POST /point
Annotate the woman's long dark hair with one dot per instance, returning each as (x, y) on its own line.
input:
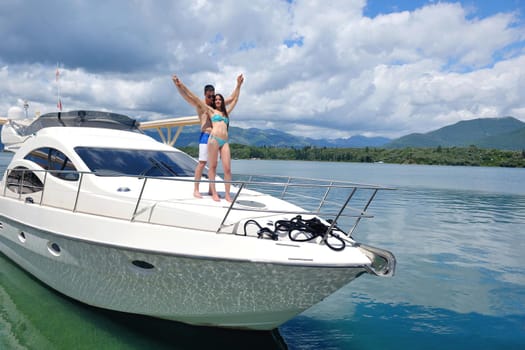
(223, 105)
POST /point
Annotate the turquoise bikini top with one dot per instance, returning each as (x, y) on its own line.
(219, 118)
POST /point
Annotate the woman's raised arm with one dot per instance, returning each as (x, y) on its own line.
(235, 95)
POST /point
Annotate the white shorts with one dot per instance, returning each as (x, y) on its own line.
(203, 147)
(203, 152)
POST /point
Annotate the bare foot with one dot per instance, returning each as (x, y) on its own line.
(197, 194)
(216, 197)
(228, 198)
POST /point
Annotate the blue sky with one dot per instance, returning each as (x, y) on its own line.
(321, 69)
(480, 8)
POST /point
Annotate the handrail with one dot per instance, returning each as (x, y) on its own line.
(327, 188)
(339, 214)
(138, 200)
(78, 192)
(230, 207)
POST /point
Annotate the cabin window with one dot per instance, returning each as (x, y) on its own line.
(132, 162)
(23, 180)
(56, 162)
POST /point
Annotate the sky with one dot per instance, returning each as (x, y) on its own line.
(319, 69)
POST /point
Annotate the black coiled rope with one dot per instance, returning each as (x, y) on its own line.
(296, 227)
(262, 230)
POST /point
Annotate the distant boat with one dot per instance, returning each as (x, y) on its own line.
(105, 214)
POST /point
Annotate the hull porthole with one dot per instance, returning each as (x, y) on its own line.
(22, 237)
(54, 248)
(144, 265)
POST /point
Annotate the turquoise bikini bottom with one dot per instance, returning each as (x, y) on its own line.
(220, 141)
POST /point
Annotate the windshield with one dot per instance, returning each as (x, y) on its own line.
(114, 161)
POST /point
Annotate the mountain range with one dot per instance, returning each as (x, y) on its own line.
(499, 133)
(277, 138)
(506, 133)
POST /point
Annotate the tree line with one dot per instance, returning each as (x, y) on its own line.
(461, 156)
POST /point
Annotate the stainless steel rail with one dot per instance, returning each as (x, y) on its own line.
(328, 199)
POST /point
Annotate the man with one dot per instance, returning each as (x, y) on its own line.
(209, 95)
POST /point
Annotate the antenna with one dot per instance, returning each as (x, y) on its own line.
(26, 106)
(57, 78)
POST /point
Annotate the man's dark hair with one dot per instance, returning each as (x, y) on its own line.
(209, 88)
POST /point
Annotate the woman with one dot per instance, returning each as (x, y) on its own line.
(218, 140)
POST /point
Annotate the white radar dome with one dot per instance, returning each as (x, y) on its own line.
(15, 113)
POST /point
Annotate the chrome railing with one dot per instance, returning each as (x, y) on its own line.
(330, 200)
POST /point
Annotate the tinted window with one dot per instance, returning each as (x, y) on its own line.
(52, 159)
(23, 180)
(112, 161)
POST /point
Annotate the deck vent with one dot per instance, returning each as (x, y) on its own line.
(22, 237)
(143, 264)
(250, 204)
(54, 248)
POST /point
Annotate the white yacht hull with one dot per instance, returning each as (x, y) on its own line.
(194, 290)
(106, 215)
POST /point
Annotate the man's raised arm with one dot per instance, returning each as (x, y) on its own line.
(189, 96)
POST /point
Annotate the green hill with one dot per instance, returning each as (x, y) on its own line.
(500, 133)
(514, 140)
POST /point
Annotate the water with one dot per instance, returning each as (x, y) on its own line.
(458, 236)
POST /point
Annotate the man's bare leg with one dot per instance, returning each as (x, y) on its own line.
(198, 175)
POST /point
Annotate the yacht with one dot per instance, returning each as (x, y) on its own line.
(105, 214)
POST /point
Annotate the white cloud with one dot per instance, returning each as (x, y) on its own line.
(314, 68)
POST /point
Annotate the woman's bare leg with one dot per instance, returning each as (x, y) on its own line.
(226, 166)
(213, 154)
